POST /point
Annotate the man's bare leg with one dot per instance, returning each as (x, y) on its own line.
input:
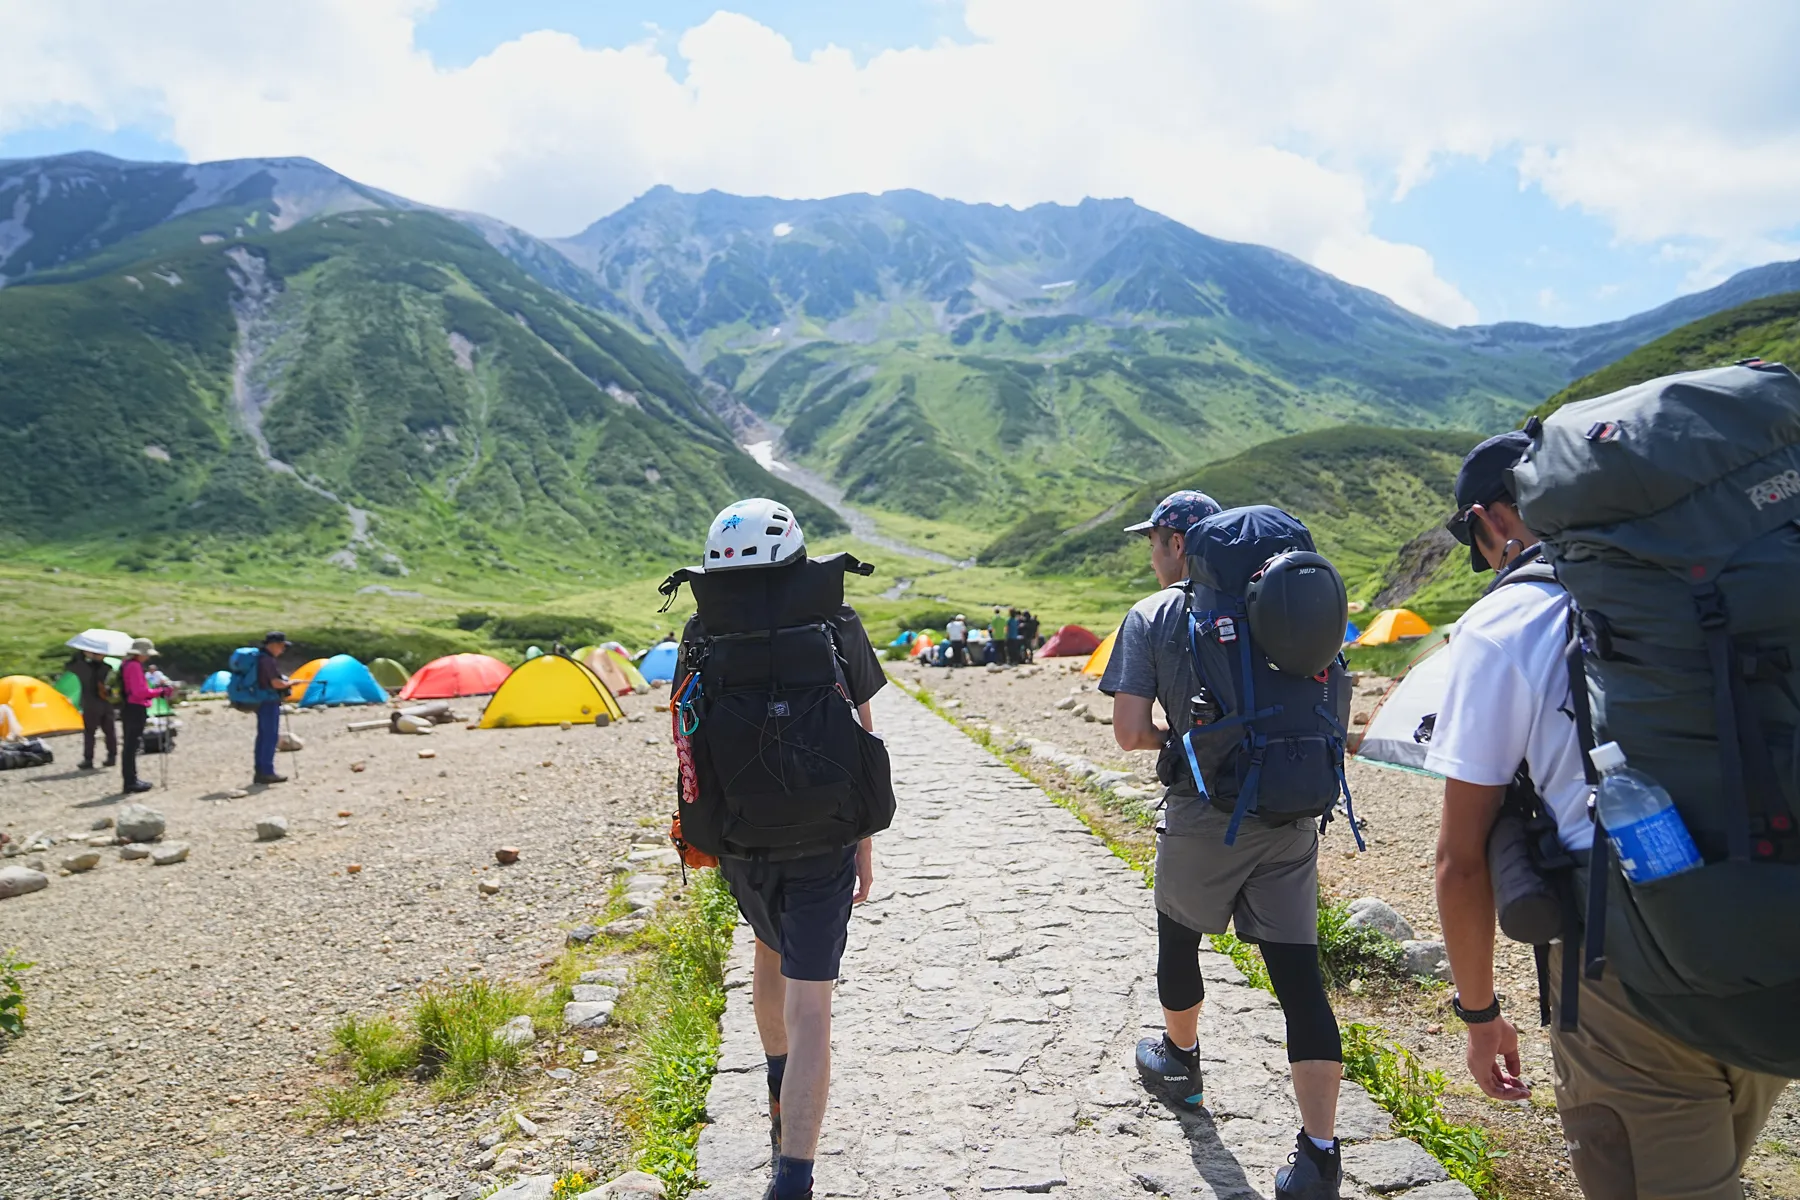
(768, 995)
(808, 1080)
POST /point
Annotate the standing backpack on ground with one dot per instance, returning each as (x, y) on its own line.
(782, 767)
(245, 691)
(1268, 652)
(1671, 512)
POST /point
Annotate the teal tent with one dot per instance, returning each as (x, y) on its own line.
(342, 680)
(216, 683)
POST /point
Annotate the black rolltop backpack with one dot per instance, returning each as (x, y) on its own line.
(1268, 650)
(784, 768)
(1671, 513)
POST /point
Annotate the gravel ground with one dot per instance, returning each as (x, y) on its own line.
(178, 1013)
(1401, 811)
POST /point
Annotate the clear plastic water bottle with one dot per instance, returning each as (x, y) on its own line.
(1641, 821)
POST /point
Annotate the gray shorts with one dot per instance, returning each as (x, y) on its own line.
(1266, 885)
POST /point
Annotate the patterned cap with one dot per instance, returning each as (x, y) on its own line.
(1179, 511)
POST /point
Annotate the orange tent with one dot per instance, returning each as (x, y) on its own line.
(1096, 662)
(35, 708)
(1393, 625)
(456, 675)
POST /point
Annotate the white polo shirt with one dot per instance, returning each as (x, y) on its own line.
(1508, 701)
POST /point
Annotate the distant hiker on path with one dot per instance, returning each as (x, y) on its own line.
(138, 696)
(783, 782)
(1266, 884)
(1015, 638)
(1028, 632)
(957, 633)
(1644, 1113)
(91, 672)
(997, 637)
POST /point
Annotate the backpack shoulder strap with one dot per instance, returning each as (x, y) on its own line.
(1529, 567)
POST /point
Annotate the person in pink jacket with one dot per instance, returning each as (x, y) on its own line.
(138, 695)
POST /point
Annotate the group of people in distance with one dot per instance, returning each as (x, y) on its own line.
(1645, 1115)
(1012, 638)
(130, 692)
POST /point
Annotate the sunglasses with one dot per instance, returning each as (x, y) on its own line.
(1458, 526)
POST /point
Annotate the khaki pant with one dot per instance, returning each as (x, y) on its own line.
(1648, 1117)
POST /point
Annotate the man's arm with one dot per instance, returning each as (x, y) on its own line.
(1133, 726)
(1465, 896)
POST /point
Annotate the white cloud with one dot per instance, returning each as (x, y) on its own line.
(1272, 121)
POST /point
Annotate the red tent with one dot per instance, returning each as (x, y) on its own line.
(456, 675)
(1069, 641)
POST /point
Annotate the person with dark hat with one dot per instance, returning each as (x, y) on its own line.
(272, 686)
(1643, 1113)
(1265, 883)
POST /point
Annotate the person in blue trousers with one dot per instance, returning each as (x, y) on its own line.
(268, 713)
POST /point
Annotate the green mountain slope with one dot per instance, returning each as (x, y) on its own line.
(1361, 491)
(364, 392)
(1768, 328)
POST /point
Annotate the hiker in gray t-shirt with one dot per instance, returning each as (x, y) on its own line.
(1266, 884)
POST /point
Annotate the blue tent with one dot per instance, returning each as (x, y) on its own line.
(343, 680)
(216, 683)
(1351, 633)
(659, 662)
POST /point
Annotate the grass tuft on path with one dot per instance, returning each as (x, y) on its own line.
(673, 1009)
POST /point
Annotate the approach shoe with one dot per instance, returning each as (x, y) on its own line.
(86, 764)
(1311, 1173)
(1164, 1073)
(271, 779)
(142, 785)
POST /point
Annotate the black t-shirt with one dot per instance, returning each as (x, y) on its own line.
(862, 668)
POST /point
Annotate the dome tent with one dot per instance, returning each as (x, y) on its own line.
(388, 673)
(216, 683)
(343, 680)
(548, 690)
(456, 675)
(1095, 666)
(37, 709)
(1070, 641)
(659, 662)
(614, 667)
(1393, 625)
(1389, 737)
(302, 678)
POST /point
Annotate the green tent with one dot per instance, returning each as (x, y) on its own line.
(70, 687)
(389, 674)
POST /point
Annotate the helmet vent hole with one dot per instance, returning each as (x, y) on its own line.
(749, 550)
(775, 530)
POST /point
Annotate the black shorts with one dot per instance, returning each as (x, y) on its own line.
(800, 907)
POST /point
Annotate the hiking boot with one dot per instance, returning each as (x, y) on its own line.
(86, 764)
(1165, 1073)
(112, 760)
(271, 778)
(1311, 1173)
(142, 785)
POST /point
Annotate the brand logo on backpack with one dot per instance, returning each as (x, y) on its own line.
(779, 709)
(1774, 489)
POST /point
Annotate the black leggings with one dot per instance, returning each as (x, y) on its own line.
(1312, 1030)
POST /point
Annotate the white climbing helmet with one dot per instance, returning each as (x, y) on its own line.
(753, 533)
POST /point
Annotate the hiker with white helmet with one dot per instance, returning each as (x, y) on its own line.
(957, 633)
(782, 783)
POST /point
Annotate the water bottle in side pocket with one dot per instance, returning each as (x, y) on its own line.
(1641, 821)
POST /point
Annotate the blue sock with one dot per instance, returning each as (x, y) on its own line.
(777, 1069)
(793, 1178)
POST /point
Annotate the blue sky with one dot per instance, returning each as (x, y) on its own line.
(1012, 101)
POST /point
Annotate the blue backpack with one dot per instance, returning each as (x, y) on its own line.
(1276, 747)
(245, 691)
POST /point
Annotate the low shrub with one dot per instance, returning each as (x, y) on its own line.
(1413, 1096)
(12, 994)
(1349, 952)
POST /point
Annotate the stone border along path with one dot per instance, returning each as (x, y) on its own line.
(994, 988)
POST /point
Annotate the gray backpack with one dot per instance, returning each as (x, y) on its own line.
(1671, 513)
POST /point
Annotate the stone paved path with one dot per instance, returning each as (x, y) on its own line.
(995, 985)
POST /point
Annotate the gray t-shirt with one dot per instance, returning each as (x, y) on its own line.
(1151, 658)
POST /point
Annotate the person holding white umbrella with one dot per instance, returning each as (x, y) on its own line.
(92, 648)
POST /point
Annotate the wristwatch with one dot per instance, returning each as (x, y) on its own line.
(1479, 1016)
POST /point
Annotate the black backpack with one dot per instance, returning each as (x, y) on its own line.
(1671, 512)
(1277, 747)
(784, 768)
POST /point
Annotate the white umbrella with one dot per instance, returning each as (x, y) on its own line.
(108, 642)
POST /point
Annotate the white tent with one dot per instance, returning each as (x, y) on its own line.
(1389, 737)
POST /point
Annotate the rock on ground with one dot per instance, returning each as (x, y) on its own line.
(140, 823)
(1371, 912)
(271, 829)
(168, 855)
(17, 881)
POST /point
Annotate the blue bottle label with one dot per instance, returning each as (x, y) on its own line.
(1656, 846)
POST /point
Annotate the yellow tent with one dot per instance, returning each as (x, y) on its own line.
(548, 690)
(1096, 662)
(36, 708)
(302, 677)
(1393, 625)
